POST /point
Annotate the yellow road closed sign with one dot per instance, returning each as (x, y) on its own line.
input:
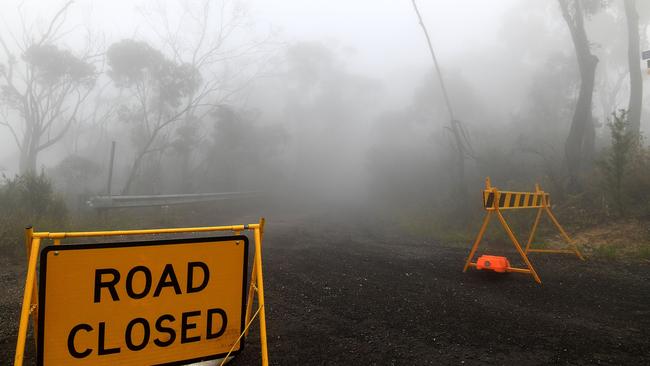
(145, 303)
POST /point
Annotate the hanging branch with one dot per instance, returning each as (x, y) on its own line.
(461, 136)
(435, 62)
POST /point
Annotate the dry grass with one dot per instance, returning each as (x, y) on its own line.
(616, 239)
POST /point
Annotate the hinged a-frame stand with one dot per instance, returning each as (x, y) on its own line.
(571, 249)
(495, 200)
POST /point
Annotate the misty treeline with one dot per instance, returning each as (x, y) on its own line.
(196, 101)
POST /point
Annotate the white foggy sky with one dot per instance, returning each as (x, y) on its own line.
(385, 33)
(378, 38)
(377, 34)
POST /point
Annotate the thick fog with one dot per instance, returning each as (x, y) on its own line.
(335, 100)
(378, 167)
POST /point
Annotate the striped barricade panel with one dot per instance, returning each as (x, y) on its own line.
(513, 200)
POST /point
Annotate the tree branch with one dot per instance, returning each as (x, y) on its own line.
(53, 27)
(13, 133)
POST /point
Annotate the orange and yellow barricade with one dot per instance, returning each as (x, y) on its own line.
(495, 201)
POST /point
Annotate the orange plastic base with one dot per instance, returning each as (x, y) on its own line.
(493, 263)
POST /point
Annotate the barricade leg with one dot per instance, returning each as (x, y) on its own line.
(532, 231)
(486, 220)
(512, 237)
(574, 247)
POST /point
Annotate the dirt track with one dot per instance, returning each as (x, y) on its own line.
(347, 295)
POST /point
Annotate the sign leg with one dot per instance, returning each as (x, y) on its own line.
(27, 302)
(260, 296)
(251, 295)
(29, 235)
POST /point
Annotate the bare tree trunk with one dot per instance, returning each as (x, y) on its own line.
(135, 168)
(579, 148)
(460, 185)
(633, 53)
(27, 162)
(133, 172)
(589, 145)
(29, 150)
(608, 99)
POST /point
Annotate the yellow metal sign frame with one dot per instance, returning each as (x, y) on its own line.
(33, 242)
(494, 201)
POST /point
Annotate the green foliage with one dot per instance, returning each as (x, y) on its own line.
(77, 168)
(53, 64)
(130, 60)
(137, 63)
(239, 149)
(28, 200)
(637, 185)
(75, 177)
(54, 70)
(616, 164)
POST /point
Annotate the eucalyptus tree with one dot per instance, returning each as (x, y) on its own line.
(42, 87)
(158, 92)
(633, 54)
(209, 44)
(579, 147)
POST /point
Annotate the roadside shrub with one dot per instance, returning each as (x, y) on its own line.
(624, 172)
(76, 178)
(637, 185)
(27, 200)
(617, 160)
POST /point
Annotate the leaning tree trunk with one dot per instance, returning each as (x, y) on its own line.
(633, 53)
(579, 148)
(135, 168)
(27, 161)
(459, 184)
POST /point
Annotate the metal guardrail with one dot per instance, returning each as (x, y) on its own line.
(101, 202)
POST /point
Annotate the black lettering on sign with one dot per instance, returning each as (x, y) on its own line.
(162, 329)
(172, 282)
(110, 285)
(147, 282)
(224, 322)
(190, 276)
(128, 335)
(101, 342)
(71, 348)
(185, 326)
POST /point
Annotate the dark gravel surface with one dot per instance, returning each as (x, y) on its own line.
(340, 293)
